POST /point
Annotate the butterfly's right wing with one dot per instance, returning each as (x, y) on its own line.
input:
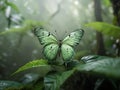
(67, 52)
(44, 36)
(74, 38)
(69, 42)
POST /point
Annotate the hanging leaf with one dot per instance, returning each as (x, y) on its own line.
(33, 64)
(107, 3)
(109, 67)
(54, 81)
(105, 28)
(28, 25)
(13, 6)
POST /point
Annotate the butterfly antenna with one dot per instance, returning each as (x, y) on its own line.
(56, 33)
(64, 35)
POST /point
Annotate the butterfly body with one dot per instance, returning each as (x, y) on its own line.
(54, 48)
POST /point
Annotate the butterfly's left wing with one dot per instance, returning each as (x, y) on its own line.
(50, 51)
(44, 36)
(49, 41)
(74, 38)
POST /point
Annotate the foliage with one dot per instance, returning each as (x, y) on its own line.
(10, 12)
(54, 81)
(33, 64)
(105, 66)
(93, 58)
(106, 2)
(13, 6)
(6, 3)
(93, 64)
(5, 84)
(27, 25)
(105, 28)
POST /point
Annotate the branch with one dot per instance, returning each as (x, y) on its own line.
(57, 11)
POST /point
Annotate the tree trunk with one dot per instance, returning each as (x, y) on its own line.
(116, 12)
(99, 36)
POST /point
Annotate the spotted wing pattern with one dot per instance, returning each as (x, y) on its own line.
(69, 42)
(49, 41)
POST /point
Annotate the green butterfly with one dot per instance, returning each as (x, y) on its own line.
(53, 47)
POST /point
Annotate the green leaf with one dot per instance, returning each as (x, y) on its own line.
(30, 78)
(13, 6)
(108, 67)
(38, 86)
(54, 81)
(92, 58)
(27, 25)
(6, 84)
(33, 64)
(105, 28)
(106, 3)
(72, 64)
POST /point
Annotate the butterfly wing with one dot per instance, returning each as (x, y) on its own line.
(50, 51)
(44, 36)
(49, 41)
(74, 38)
(69, 42)
(67, 52)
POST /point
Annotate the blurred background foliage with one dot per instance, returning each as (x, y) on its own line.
(63, 16)
(18, 44)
